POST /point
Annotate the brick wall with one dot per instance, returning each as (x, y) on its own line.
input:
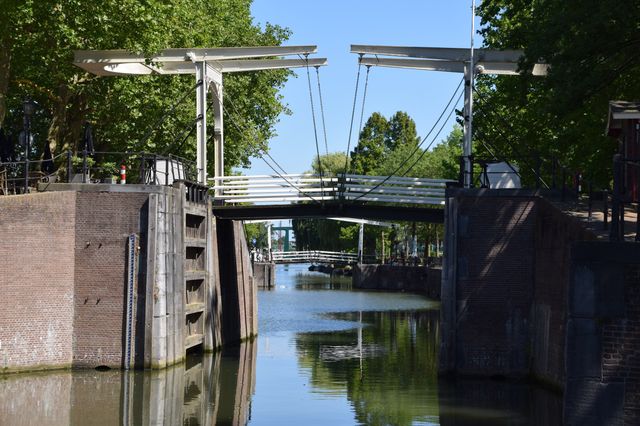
(511, 275)
(416, 279)
(495, 255)
(103, 223)
(621, 346)
(603, 336)
(554, 235)
(36, 280)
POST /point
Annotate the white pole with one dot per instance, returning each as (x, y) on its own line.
(360, 243)
(218, 134)
(269, 241)
(469, 74)
(201, 117)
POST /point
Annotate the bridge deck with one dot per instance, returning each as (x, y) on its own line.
(317, 210)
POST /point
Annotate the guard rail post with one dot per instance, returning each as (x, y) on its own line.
(614, 234)
(69, 165)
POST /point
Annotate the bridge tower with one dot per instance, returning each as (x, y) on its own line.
(469, 62)
(208, 65)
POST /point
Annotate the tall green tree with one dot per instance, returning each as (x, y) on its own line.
(593, 48)
(401, 132)
(330, 164)
(370, 149)
(36, 54)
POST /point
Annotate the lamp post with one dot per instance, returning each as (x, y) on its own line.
(29, 107)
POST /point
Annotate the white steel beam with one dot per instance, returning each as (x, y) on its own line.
(365, 221)
(482, 67)
(439, 53)
(267, 64)
(208, 65)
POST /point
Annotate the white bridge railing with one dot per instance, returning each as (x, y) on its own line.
(276, 189)
(315, 256)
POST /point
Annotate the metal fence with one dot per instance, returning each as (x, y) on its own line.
(17, 177)
(314, 256)
(276, 189)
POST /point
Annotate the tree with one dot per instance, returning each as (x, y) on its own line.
(125, 109)
(401, 132)
(332, 164)
(371, 145)
(593, 49)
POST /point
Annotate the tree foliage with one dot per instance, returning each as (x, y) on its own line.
(380, 137)
(370, 149)
(593, 48)
(330, 164)
(36, 54)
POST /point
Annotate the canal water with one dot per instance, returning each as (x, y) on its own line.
(326, 355)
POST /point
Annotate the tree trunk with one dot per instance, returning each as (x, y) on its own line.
(5, 73)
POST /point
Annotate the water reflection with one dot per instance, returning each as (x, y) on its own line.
(206, 390)
(387, 365)
(338, 357)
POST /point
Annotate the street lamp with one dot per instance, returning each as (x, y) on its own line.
(29, 108)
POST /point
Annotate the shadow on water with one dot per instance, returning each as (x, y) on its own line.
(206, 390)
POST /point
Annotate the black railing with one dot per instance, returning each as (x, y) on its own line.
(566, 184)
(99, 167)
(623, 195)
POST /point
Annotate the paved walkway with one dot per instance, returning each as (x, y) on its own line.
(595, 222)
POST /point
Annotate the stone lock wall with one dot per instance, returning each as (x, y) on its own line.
(505, 286)
(603, 336)
(65, 284)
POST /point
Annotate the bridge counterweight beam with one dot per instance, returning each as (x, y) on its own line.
(361, 243)
(218, 135)
(468, 117)
(201, 121)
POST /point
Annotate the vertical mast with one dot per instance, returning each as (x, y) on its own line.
(468, 103)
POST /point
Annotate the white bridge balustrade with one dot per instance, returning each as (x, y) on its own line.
(315, 256)
(278, 189)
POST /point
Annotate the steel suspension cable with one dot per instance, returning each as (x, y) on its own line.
(324, 126)
(315, 129)
(293, 185)
(353, 112)
(495, 114)
(421, 142)
(422, 154)
(364, 97)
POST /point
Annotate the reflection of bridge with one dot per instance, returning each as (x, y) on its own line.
(314, 256)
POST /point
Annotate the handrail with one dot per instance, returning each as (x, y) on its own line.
(301, 187)
(313, 256)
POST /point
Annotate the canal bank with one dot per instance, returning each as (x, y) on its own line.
(423, 280)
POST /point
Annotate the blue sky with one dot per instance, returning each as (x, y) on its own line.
(334, 25)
